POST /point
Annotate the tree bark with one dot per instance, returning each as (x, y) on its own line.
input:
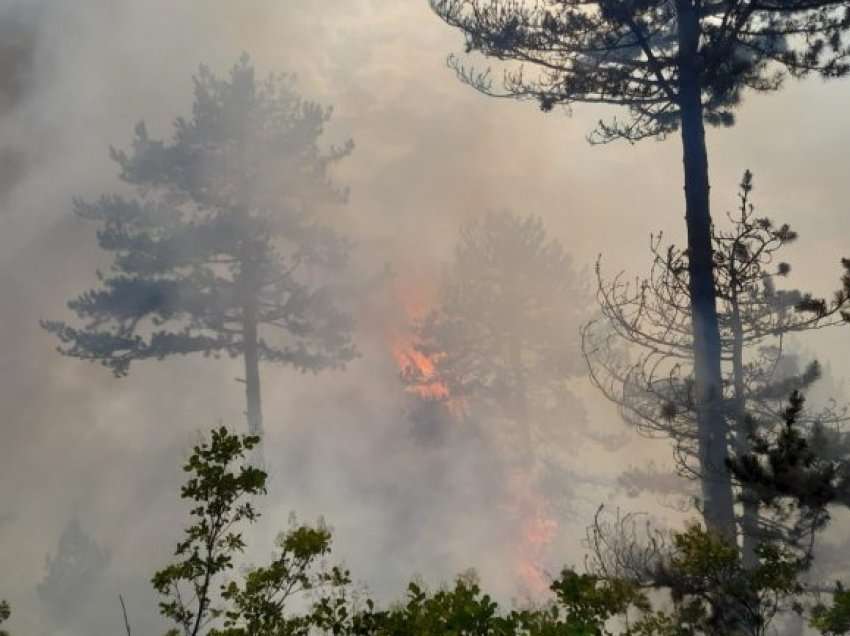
(254, 410)
(718, 504)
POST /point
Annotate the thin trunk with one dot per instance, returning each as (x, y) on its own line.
(254, 411)
(718, 504)
(252, 376)
(749, 520)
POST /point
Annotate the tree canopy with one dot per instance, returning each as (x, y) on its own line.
(224, 246)
(499, 337)
(637, 54)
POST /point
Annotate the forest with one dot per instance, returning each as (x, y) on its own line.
(425, 317)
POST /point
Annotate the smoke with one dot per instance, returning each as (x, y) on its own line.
(76, 443)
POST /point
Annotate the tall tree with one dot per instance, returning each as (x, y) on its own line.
(674, 65)
(499, 337)
(651, 320)
(223, 247)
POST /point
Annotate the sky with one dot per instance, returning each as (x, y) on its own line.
(430, 153)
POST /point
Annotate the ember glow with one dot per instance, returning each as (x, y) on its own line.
(413, 362)
(416, 298)
(537, 531)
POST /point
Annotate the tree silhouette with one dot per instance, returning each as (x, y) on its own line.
(499, 338)
(673, 65)
(222, 248)
(794, 470)
(78, 563)
(641, 352)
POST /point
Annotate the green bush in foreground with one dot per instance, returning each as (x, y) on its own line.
(708, 590)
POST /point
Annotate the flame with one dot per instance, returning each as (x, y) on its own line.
(535, 527)
(537, 531)
(411, 361)
(416, 298)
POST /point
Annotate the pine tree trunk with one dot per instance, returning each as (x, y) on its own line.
(251, 357)
(718, 504)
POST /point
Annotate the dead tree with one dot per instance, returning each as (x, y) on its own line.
(641, 351)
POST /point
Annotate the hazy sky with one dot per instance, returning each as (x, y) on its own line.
(430, 152)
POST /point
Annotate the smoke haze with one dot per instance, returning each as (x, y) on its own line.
(430, 154)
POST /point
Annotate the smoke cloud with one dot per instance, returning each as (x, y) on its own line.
(78, 444)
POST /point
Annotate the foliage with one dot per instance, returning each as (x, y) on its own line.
(641, 352)
(259, 604)
(650, 318)
(223, 248)
(834, 619)
(219, 493)
(699, 583)
(791, 469)
(715, 593)
(583, 605)
(297, 594)
(224, 214)
(77, 564)
(498, 337)
(463, 609)
(220, 488)
(648, 56)
(5, 613)
(674, 65)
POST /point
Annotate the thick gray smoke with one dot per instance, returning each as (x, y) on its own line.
(80, 445)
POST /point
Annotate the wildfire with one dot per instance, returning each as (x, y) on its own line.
(414, 363)
(537, 530)
(535, 527)
(416, 299)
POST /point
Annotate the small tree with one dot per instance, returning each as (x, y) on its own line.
(220, 494)
(650, 319)
(797, 471)
(222, 249)
(834, 619)
(259, 604)
(673, 65)
(220, 488)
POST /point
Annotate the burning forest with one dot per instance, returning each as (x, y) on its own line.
(305, 334)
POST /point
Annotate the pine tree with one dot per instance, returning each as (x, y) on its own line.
(650, 318)
(499, 337)
(221, 249)
(77, 565)
(673, 65)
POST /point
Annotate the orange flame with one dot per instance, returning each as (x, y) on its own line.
(412, 361)
(416, 299)
(537, 530)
